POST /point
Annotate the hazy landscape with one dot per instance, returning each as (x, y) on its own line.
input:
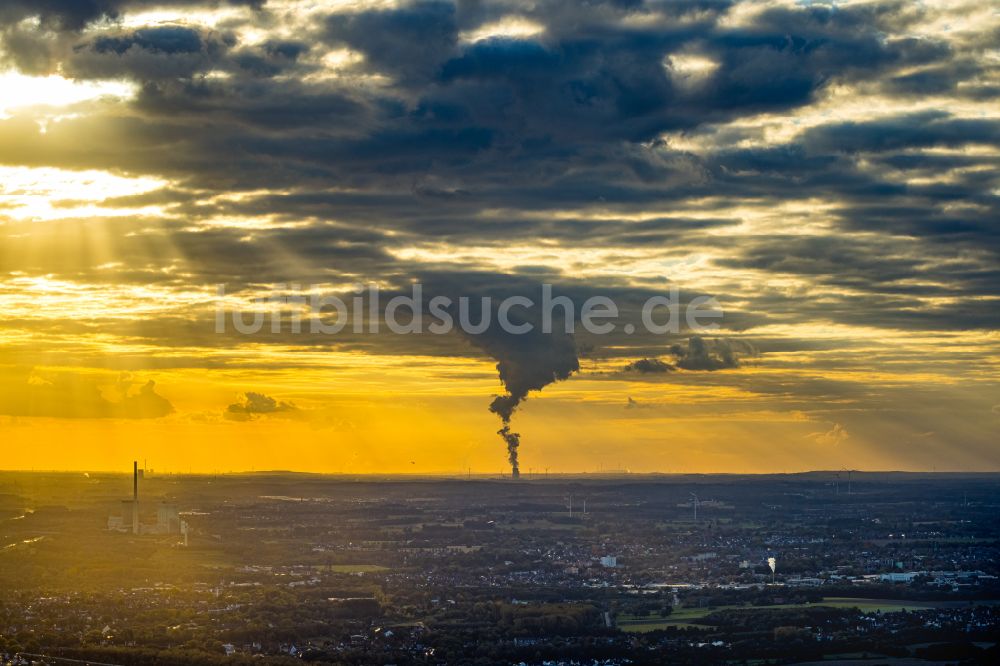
(879, 568)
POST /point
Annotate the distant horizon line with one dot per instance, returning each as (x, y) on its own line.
(496, 476)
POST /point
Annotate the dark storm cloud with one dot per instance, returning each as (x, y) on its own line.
(409, 42)
(604, 80)
(484, 109)
(826, 258)
(271, 59)
(159, 52)
(936, 80)
(716, 354)
(599, 81)
(932, 211)
(160, 39)
(59, 14)
(921, 130)
(568, 119)
(38, 36)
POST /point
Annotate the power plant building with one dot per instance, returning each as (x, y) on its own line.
(168, 519)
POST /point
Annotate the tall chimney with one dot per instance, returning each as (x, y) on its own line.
(135, 497)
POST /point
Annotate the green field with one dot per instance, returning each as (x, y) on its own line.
(687, 617)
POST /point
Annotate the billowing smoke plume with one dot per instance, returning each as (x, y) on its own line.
(526, 362)
(513, 440)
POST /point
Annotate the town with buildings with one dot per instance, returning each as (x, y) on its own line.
(282, 568)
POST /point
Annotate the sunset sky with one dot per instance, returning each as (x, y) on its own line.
(829, 172)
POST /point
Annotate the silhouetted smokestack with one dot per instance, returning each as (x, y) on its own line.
(135, 497)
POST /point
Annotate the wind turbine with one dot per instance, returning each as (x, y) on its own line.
(848, 479)
(694, 502)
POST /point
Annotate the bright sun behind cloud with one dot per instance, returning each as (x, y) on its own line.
(21, 91)
(44, 193)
